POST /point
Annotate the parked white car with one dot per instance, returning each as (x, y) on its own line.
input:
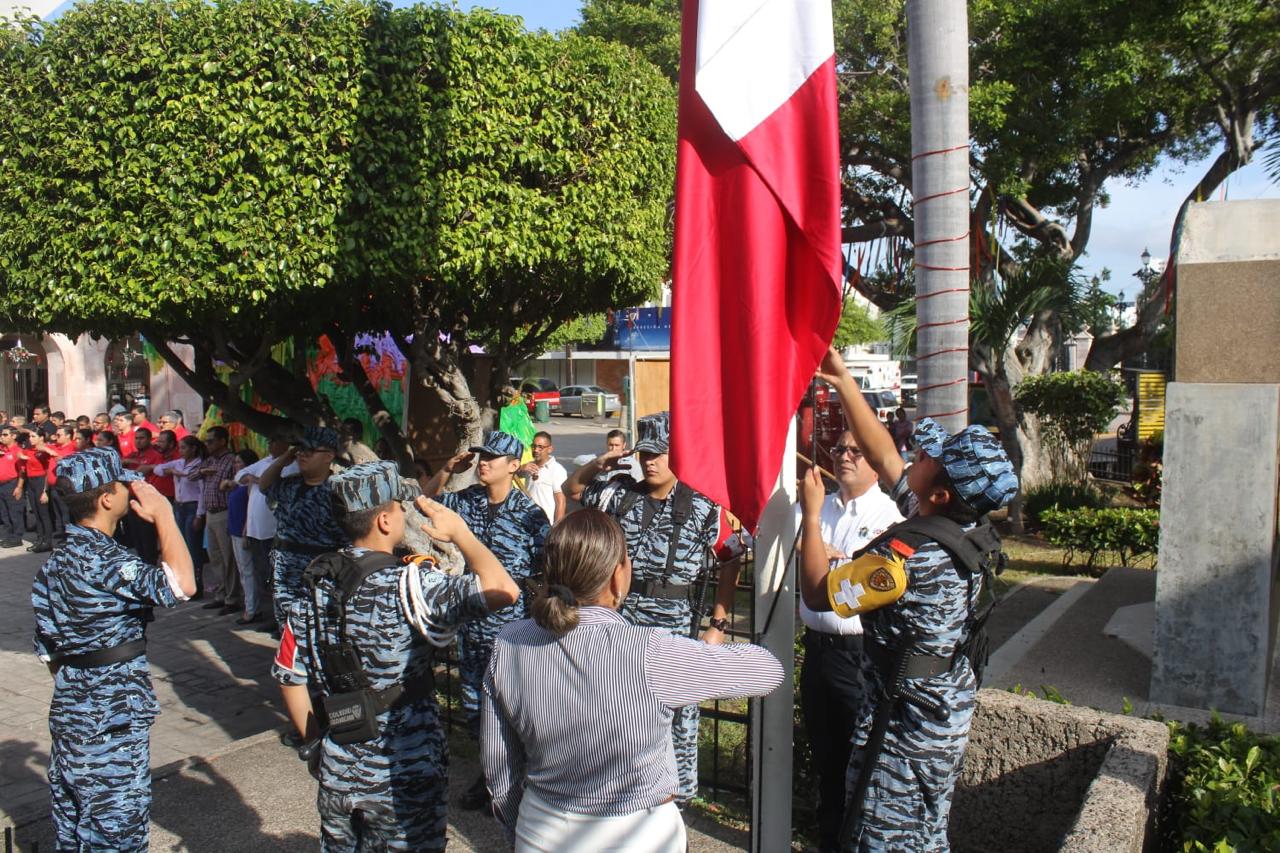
(883, 402)
(571, 400)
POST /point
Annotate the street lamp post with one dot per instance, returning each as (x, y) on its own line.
(1148, 275)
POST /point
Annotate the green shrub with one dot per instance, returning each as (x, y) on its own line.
(1224, 791)
(1072, 407)
(1060, 495)
(1127, 533)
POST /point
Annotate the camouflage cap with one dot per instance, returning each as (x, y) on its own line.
(316, 437)
(498, 443)
(975, 462)
(92, 468)
(368, 485)
(654, 433)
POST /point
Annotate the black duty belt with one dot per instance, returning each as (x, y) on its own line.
(918, 666)
(101, 657)
(844, 642)
(300, 548)
(660, 589)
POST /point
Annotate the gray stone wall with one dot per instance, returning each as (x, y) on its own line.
(1039, 776)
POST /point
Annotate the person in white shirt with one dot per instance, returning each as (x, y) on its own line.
(851, 517)
(544, 478)
(260, 523)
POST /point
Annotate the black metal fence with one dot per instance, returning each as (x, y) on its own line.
(1113, 463)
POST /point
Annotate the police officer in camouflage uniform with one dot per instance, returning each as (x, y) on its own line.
(92, 600)
(386, 791)
(304, 515)
(512, 526)
(960, 477)
(670, 530)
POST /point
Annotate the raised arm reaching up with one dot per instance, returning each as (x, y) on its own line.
(870, 435)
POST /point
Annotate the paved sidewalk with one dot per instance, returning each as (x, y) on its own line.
(258, 798)
(222, 779)
(213, 681)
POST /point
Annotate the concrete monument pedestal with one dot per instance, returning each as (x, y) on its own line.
(1216, 590)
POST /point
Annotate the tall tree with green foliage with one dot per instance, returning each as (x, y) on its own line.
(1065, 96)
(237, 173)
(856, 326)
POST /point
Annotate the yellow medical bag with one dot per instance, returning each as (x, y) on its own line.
(870, 581)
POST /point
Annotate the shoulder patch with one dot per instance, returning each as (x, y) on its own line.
(288, 648)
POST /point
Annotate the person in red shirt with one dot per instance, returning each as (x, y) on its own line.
(142, 534)
(147, 455)
(140, 420)
(122, 426)
(37, 501)
(172, 419)
(13, 471)
(63, 445)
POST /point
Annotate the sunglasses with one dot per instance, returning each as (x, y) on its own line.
(841, 449)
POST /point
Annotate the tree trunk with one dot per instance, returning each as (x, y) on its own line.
(1020, 436)
(1109, 350)
(938, 42)
(210, 387)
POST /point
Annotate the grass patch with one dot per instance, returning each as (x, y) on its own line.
(1031, 557)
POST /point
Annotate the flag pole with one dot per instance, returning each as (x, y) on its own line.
(773, 720)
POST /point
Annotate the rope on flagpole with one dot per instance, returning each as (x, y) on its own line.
(967, 268)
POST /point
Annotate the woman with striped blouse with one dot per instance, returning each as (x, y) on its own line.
(577, 704)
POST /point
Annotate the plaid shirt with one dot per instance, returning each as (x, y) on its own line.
(212, 498)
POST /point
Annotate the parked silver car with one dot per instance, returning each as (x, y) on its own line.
(571, 400)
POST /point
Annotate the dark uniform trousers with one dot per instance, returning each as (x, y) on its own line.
(830, 693)
(13, 519)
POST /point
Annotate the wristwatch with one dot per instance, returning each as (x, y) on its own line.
(721, 625)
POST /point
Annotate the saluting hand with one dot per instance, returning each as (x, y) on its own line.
(611, 460)
(148, 503)
(446, 525)
(459, 462)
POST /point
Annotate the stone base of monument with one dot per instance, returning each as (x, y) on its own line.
(1039, 776)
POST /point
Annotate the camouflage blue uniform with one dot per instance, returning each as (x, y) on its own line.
(908, 802)
(388, 793)
(514, 531)
(304, 520)
(647, 545)
(92, 594)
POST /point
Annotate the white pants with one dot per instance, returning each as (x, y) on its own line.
(543, 828)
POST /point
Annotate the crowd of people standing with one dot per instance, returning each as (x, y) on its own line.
(585, 646)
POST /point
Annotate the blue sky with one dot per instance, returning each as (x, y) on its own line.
(1137, 217)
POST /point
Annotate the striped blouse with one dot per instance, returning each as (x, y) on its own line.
(585, 720)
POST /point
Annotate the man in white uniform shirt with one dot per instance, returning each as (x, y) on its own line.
(260, 523)
(851, 517)
(544, 478)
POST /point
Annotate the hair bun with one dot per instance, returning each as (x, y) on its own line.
(563, 593)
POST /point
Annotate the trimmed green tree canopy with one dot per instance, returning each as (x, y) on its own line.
(229, 172)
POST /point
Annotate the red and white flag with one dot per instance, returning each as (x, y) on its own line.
(756, 290)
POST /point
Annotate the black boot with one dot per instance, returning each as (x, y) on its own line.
(41, 546)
